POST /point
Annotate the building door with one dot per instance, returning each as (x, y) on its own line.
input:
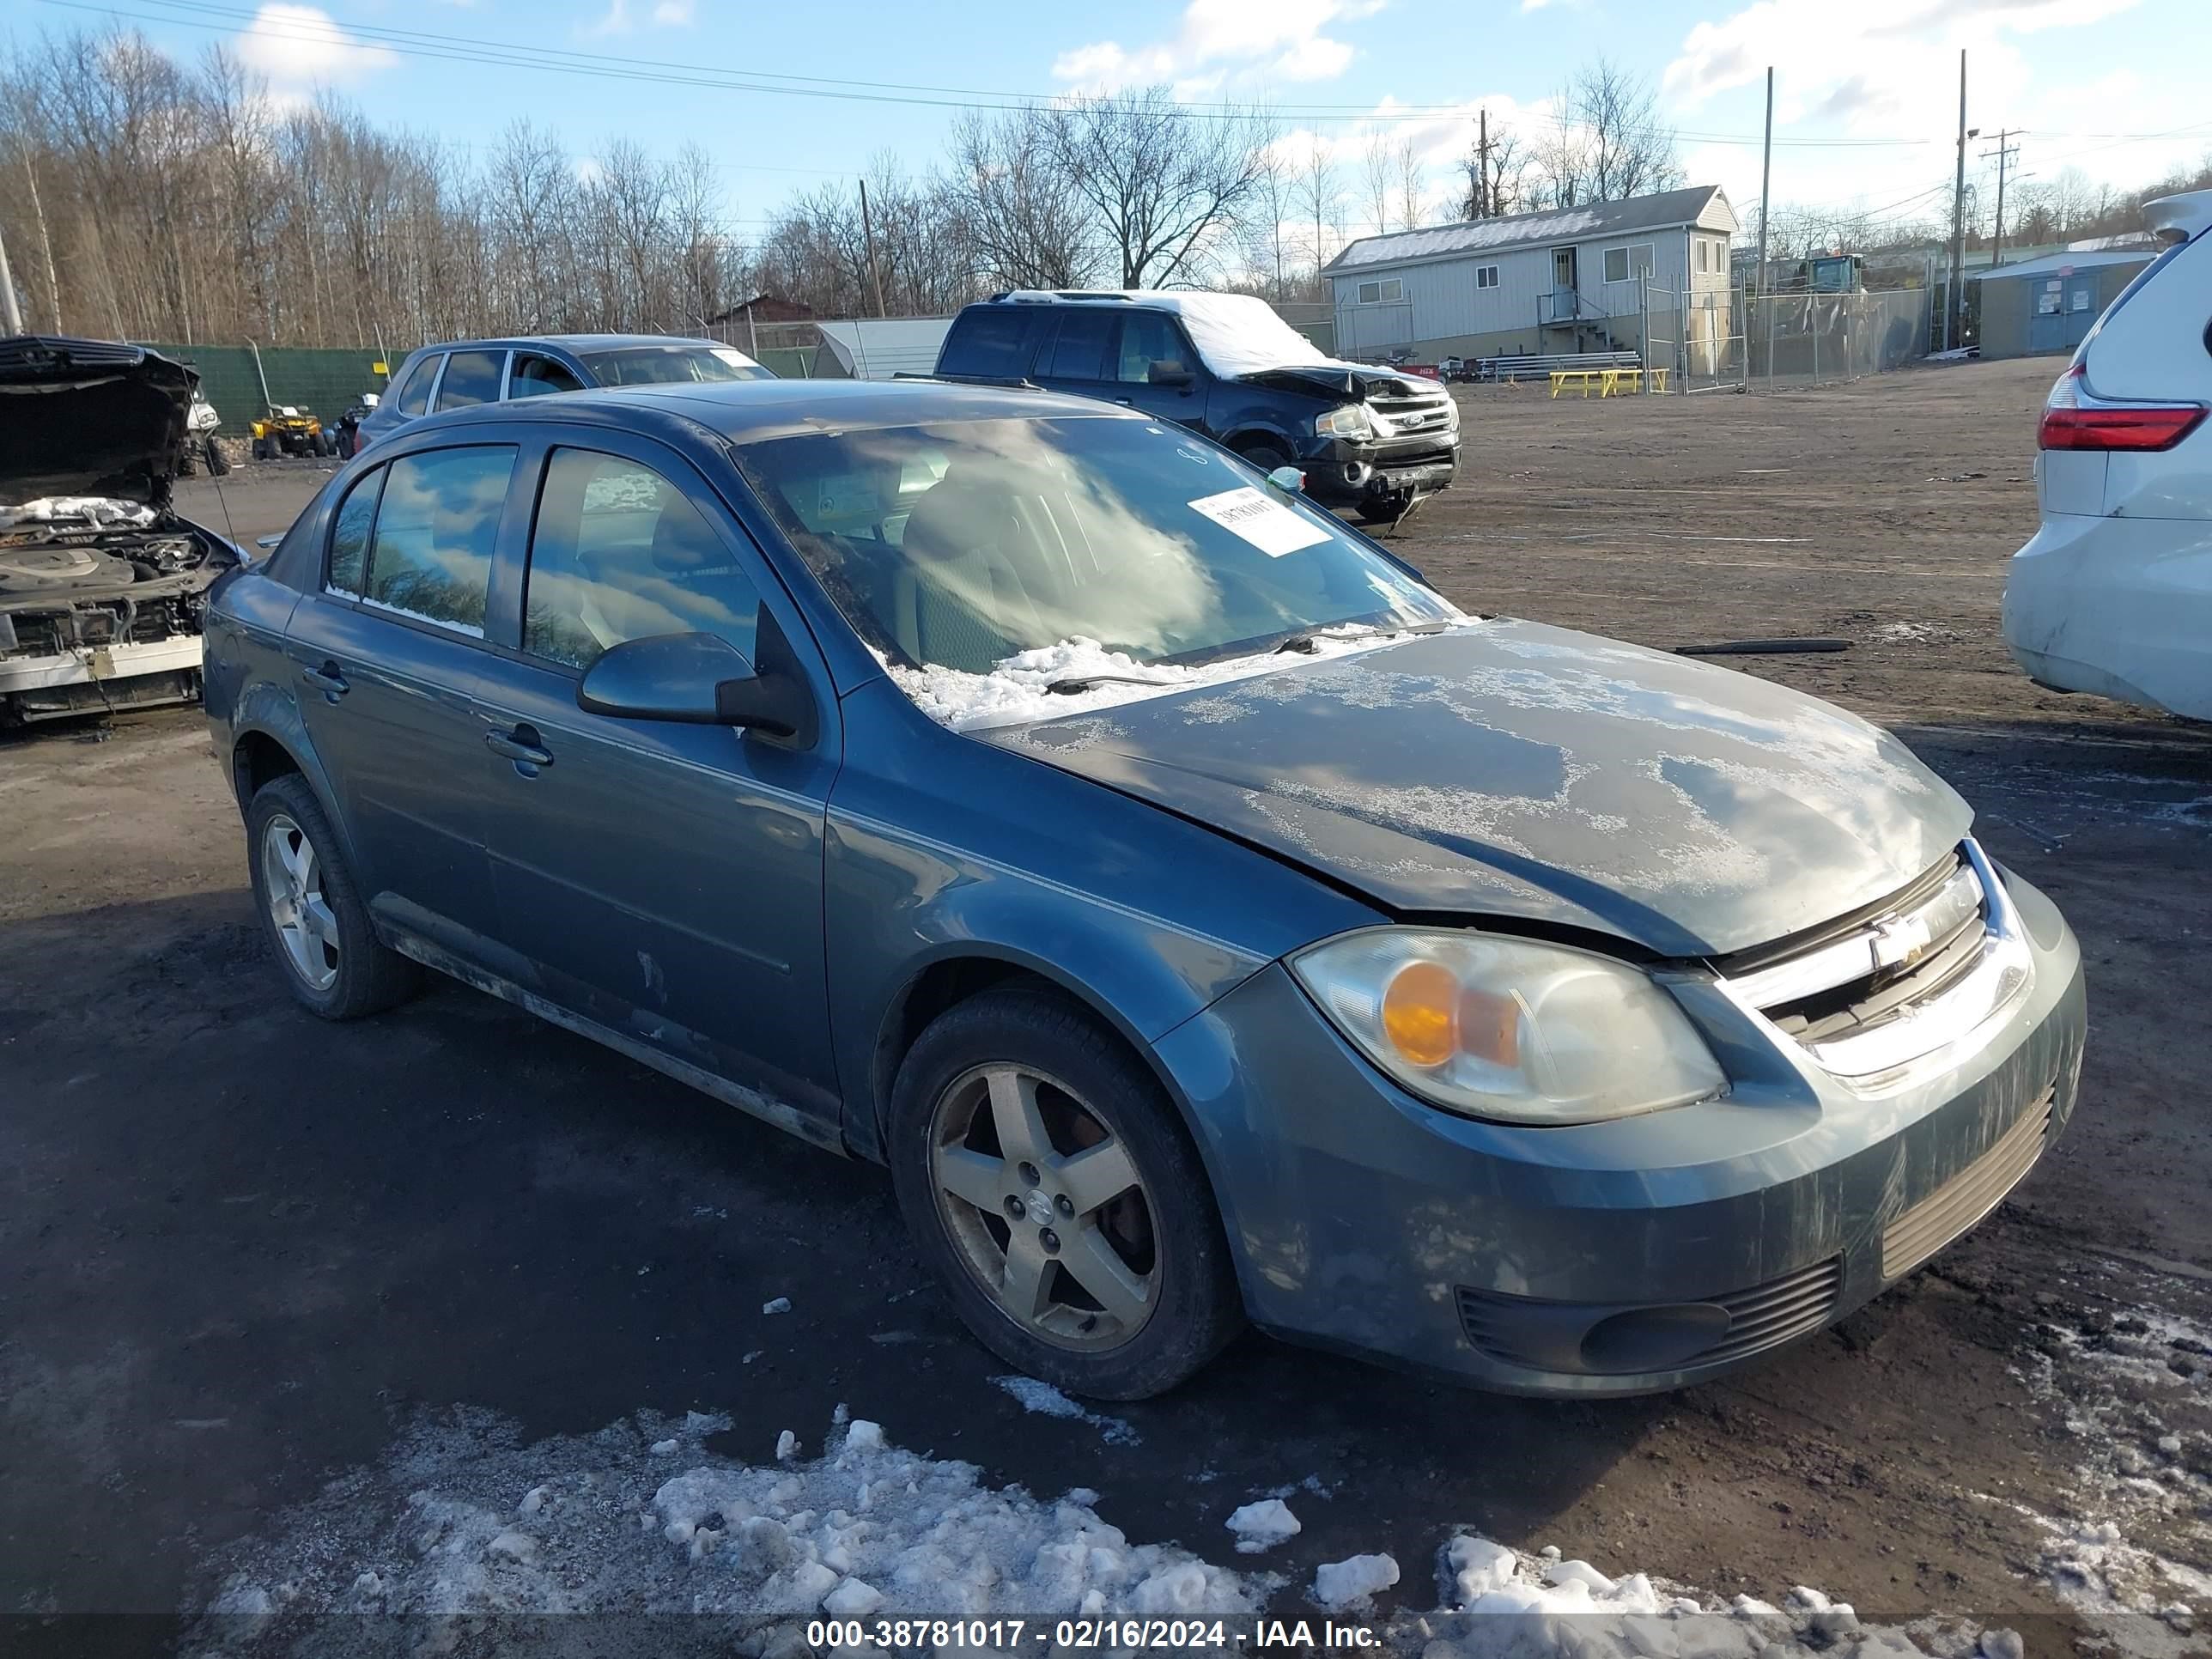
(1563, 268)
(2061, 309)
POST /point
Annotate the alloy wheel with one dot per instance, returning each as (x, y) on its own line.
(292, 879)
(1047, 1207)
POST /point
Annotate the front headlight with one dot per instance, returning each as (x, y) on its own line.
(1349, 422)
(1509, 1029)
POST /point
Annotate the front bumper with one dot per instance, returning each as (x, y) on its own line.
(1345, 474)
(1613, 1258)
(97, 663)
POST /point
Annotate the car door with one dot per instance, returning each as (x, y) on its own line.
(1156, 370)
(387, 655)
(663, 880)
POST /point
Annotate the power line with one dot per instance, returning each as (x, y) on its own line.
(426, 44)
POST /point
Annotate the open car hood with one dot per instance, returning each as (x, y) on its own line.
(1509, 769)
(90, 417)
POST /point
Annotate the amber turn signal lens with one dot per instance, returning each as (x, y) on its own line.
(1420, 1012)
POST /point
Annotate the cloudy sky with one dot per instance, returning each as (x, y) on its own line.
(783, 96)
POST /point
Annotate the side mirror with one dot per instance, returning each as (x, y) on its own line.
(1288, 479)
(1171, 373)
(699, 679)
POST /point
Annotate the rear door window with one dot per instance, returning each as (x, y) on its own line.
(533, 377)
(429, 556)
(413, 397)
(471, 377)
(1079, 353)
(991, 340)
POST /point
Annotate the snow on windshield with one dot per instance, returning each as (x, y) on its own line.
(1015, 690)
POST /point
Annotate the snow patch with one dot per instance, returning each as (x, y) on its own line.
(1353, 1582)
(1263, 1525)
(100, 510)
(1045, 1400)
(433, 1532)
(471, 629)
(1014, 692)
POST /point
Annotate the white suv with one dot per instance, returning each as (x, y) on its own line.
(2114, 594)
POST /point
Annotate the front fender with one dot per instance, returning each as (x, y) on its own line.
(939, 848)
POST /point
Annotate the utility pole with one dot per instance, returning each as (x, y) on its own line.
(1484, 207)
(1765, 178)
(868, 235)
(1954, 314)
(7, 311)
(2004, 153)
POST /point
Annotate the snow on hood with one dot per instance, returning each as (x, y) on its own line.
(1511, 768)
(103, 511)
(1014, 691)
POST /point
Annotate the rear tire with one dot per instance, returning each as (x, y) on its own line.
(311, 912)
(261, 448)
(1140, 1221)
(218, 464)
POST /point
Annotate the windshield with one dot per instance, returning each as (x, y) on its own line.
(961, 545)
(654, 365)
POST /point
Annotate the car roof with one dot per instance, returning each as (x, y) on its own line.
(749, 411)
(566, 342)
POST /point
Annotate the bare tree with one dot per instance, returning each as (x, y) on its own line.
(1265, 241)
(1024, 218)
(1166, 188)
(1374, 178)
(1494, 184)
(1604, 140)
(1407, 159)
(1318, 194)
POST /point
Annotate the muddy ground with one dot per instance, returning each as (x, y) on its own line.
(238, 1247)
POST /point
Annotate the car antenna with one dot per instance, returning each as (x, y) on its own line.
(223, 501)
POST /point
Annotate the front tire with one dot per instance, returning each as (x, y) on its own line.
(218, 464)
(311, 912)
(1049, 1182)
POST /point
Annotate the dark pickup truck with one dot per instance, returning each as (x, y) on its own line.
(1226, 366)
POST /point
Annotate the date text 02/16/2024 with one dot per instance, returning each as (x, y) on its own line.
(1072, 1635)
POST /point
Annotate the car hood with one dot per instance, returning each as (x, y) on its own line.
(89, 417)
(1509, 769)
(1332, 379)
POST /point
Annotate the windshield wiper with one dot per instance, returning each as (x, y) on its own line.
(1082, 682)
(1310, 643)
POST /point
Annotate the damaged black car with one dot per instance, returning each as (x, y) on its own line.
(101, 583)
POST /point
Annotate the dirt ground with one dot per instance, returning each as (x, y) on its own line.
(238, 1247)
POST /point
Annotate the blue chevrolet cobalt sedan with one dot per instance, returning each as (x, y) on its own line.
(1203, 919)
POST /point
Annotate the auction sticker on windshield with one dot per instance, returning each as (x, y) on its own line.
(1269, 526)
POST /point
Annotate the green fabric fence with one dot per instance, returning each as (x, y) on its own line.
(319, 381)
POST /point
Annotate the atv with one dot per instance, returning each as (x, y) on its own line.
(201, 448)
(286, 430)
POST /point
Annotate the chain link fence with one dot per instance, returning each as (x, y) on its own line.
(1729, 340)
(1813, 339)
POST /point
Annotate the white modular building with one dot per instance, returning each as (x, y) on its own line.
(1567, 279)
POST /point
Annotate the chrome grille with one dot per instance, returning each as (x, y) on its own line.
(1897, 981)
(1968, 1196)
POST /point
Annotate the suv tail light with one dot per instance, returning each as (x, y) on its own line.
(2075, 418)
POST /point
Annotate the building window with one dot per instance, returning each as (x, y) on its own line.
(1385, 292)
(1621, 264)
(1704, 255)
(1486, 276)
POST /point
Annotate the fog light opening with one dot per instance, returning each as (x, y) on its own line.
(1654, 1339)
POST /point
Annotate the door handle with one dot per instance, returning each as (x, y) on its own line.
(521, 745)
(330, 679)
